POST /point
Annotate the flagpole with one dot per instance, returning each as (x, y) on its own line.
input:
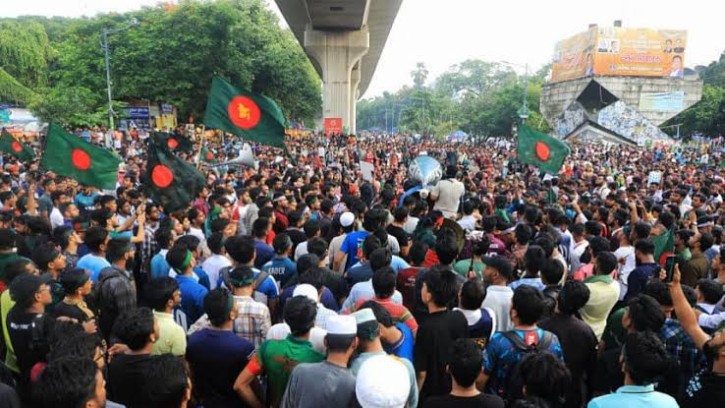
(201, 146)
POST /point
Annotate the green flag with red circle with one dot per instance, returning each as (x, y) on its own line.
(68, 155)
(207, 155)
(249, 116)
(11, 146)
(169, 180)
(174, 142)
(541, 150)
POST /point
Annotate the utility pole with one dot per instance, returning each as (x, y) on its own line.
(104, 43)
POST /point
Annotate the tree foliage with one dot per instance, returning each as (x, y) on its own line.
(169, 57)
(478, 97)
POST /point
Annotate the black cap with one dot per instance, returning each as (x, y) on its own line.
(499, 263)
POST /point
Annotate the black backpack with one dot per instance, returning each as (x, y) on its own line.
(515, 382)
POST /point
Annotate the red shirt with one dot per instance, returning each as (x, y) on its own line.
(406, 285)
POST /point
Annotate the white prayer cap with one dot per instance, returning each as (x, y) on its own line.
(344, 325)
(382, 382)
(307, 291)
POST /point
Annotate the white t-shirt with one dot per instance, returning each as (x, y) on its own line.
(56, 218)
(498, 299)
(448, 193)
(212, 265)
(625, 268)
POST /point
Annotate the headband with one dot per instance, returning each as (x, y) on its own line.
(186, 263)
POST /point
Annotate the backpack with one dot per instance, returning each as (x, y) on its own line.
(258, 296)
(514, 382)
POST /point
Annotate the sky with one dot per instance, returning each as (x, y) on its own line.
(443, 33)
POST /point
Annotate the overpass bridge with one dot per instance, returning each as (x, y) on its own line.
(344, 40)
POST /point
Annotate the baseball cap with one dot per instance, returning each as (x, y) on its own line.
(346, 219)
(500, 263)
(382, 382)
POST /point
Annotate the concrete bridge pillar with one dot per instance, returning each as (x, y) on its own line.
(337, 53)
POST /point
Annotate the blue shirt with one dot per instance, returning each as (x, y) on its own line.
(264, 253)
(216, 358)
(501, 357)
(533, 282)
(403, 348)
(352, 246)
(203, 277)
(192, 297)
(85, 202)
(159, 266)
(638, 279)
(359, 273)
(268, 287)
(397, 263)
(281, 269)
(634, 396)
(93, 264)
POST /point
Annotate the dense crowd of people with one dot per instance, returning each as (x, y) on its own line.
(302, 281)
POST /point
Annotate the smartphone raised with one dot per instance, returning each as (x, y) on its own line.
(670, 268)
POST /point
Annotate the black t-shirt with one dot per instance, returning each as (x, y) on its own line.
(705, 391)
(71, 311)
(29, 336)
(127, 377)
(579, 345)
(399, 234)
(431, 352)
(450, 401)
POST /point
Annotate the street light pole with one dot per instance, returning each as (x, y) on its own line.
(111, 125)
(104, 43)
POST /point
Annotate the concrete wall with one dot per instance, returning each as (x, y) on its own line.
(556, 97)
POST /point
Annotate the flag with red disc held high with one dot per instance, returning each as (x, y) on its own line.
(541, 150)
(70, 156)
(207, 155)
(170, 181)
(174, 142)
(250, 116)
(10, 145)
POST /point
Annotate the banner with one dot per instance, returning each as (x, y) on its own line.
(662, 101)
(333, 126)
(574, 56)
(617, 51)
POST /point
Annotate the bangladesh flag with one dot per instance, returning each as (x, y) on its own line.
(541, 150)
(174, 142)
(664, 246)
(10, 145)
(70, 156)
(207, 156)
(170, 181)
(252, 117)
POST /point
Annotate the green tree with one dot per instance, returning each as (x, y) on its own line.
(420, 74)
(169, 58)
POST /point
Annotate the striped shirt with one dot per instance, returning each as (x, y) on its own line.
(398, 312)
